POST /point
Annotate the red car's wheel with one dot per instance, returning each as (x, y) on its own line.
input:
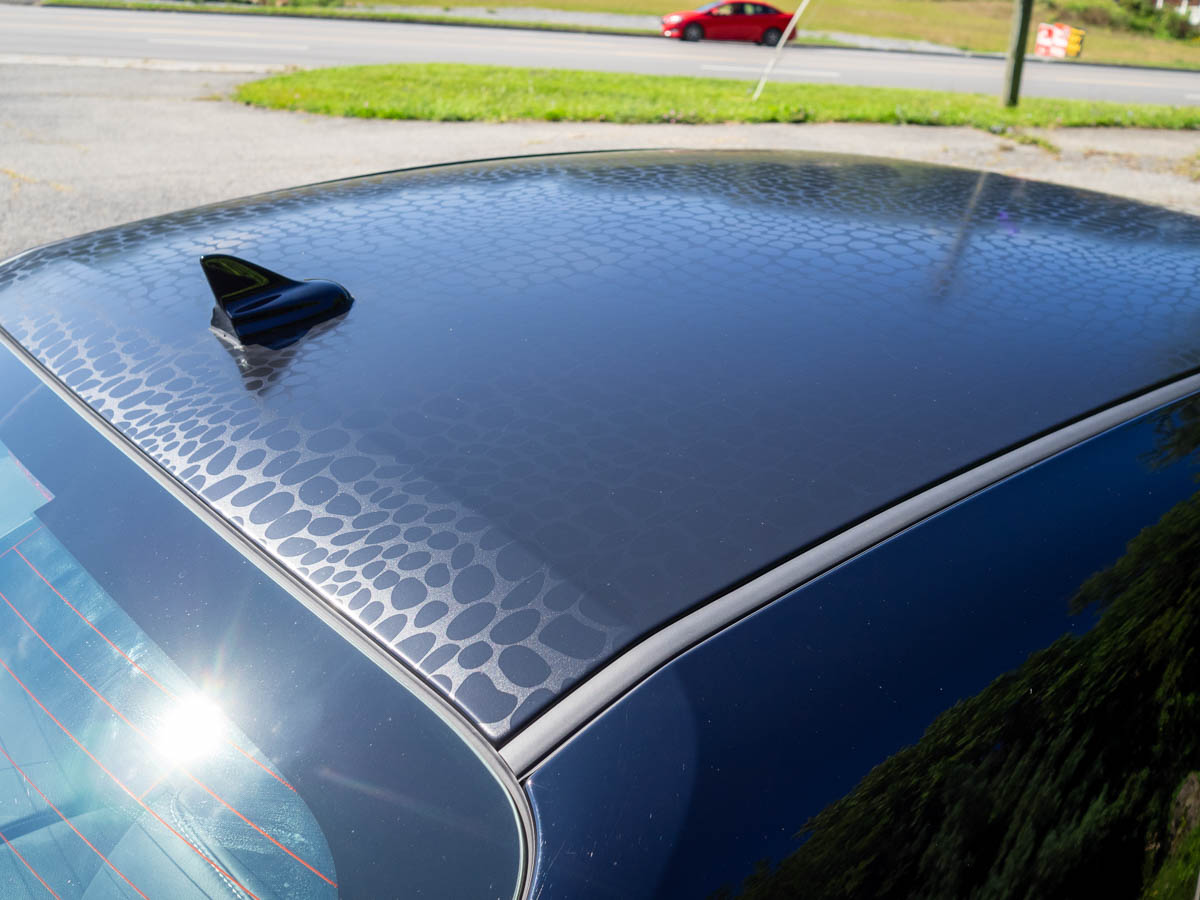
(771, 36)
(693, 32)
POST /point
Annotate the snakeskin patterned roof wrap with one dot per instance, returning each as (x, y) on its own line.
(577, 396)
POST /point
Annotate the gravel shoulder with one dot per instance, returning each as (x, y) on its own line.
(84, 147)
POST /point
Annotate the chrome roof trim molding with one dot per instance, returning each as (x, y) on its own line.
(442, 708)
(538, 740)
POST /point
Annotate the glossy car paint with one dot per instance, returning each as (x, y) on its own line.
(998, 702)
(506, 472)
(728, 22)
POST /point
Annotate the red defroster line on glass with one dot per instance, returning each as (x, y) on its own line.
(46, 581)
(138, 731)
(21, 541)
(12, 762)
(250, 757)
(157, 781)
(129, 660)
(117, 781)
(8, 844)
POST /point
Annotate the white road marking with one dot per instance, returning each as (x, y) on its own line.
(1109, 80)
(115, 62)
(802, 73)
(515, 40)
(206, 42)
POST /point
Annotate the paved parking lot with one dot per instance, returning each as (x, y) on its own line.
(86, 146)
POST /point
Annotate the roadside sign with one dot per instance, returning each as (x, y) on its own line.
(1058, 40)
(1075, 42)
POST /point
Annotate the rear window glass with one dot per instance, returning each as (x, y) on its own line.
(174, 725)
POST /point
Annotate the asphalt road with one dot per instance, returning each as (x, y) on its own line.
(54, 35)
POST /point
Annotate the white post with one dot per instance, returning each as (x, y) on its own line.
(787, 33)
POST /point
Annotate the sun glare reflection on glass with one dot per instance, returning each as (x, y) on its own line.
(192, 729)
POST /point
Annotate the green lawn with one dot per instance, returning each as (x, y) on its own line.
(444, 92)
(983, 26)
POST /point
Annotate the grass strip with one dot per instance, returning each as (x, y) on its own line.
(983, 26)
(338, 12)
(458, 93)
(1034, 140)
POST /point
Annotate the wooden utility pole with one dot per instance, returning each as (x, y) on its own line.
(1022, 14)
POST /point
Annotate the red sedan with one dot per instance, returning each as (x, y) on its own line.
(728, 22)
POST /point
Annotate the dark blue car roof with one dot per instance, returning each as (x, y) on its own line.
(578, 396)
